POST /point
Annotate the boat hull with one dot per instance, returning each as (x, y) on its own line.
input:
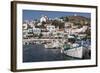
(75, 52)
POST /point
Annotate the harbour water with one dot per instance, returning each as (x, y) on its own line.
(37, 53)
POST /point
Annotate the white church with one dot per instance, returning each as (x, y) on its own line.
(43, 19)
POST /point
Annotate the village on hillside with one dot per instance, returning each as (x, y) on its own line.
(53, 33)
(56, 28)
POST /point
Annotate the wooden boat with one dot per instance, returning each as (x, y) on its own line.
(75, 52)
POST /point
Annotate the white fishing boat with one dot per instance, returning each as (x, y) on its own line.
(75, 52)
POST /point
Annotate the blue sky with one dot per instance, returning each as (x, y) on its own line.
(34, 14)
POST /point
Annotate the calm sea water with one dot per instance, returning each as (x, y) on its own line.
(37, 53)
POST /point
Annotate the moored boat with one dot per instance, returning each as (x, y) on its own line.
(75, 52)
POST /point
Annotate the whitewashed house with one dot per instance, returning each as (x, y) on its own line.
(31, 24)
(33, 30)
(68, 24)
(25, 26)
(25, 33)
(46, 34)
(50, 28)
(58, 34)
(36, 31)
(39, 24)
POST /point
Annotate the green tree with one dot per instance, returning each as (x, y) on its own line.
(65, 18)
(57, 23)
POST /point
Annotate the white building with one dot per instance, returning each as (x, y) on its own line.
(79, 30)
(46, 34)
(25, 26)
(32, 23)
(38, 24)
(58, 34)
(44, 19)
(30, 30)
(36, 31)
(25, 33)
(51, 28)
(68, 24)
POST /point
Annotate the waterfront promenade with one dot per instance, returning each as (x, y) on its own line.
(32, 40)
